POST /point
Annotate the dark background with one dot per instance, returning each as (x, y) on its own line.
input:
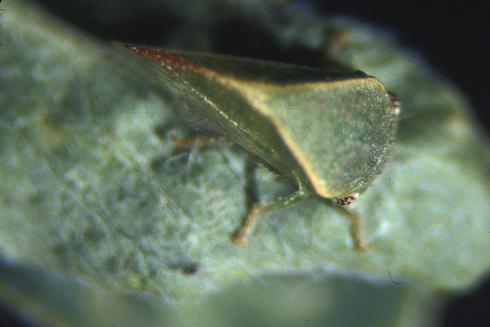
(452, 36)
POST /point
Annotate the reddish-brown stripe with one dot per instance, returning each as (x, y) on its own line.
(166, 57)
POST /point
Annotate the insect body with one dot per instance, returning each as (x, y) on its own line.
(330, 132)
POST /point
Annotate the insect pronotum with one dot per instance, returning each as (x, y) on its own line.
(330, 132)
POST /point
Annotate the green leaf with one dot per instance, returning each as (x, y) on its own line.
(93, 188)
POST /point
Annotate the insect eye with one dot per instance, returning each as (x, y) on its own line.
(346, 200)
(395, 103)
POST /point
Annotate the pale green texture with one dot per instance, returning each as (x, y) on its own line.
(92, 188)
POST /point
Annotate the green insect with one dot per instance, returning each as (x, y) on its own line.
(330, 132)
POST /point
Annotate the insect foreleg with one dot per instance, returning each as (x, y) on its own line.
(241, 236)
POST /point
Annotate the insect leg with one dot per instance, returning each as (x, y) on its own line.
(241, 236)
(200, 140)
(355, 218)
